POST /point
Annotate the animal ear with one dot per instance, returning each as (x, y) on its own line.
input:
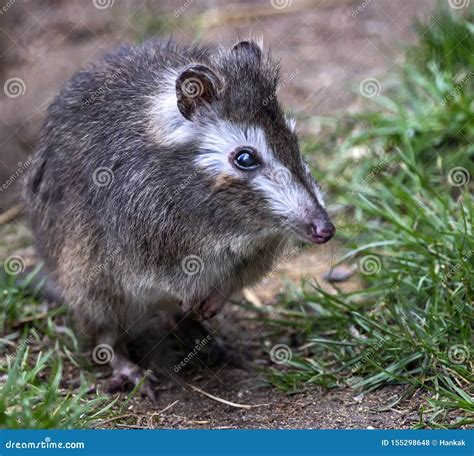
(195, 86)
(248, 50)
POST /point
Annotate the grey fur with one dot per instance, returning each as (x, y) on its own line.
(117, 251)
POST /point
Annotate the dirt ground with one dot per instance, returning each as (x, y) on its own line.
(184, 408)
(326, 49)
(195, 398)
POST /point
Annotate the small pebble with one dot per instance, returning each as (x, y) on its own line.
(338, 274)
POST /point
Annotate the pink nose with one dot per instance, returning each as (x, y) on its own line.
(321, 231)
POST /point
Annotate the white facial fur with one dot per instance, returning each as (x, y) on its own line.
(316, 189)
(285, 195)
(291, 123)
(168, 125)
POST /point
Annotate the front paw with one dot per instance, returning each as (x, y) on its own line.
(186, 306)
(207, 309)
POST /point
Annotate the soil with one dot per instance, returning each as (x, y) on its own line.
(195, 396)
(326, 49)
(271, 409)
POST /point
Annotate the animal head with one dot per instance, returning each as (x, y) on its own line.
(224, 115)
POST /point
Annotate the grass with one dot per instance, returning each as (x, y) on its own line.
(402, 176)
(407, 224)
(36, 345)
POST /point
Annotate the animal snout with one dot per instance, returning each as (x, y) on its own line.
(320, 230)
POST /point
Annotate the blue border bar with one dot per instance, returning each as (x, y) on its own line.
(237, 442)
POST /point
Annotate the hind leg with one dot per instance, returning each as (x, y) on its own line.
(126, 375)
(110, 347)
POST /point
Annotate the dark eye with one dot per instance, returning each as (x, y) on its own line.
(246, 159)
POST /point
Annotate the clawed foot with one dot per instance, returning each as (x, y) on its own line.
(127, 376)
(208, 307)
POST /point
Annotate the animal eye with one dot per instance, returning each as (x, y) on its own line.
(246, 159)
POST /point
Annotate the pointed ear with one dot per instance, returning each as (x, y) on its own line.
(248, 50)
(195, 86)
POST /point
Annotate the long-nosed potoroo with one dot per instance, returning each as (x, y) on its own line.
(167, 176)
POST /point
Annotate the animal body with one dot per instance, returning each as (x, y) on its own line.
(167, 177)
